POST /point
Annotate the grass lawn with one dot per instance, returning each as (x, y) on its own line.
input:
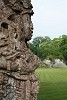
(53, 83)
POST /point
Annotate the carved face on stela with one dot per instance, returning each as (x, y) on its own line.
(18, 13)
(21, 14)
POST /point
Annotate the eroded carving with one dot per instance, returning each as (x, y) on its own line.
(17, 62)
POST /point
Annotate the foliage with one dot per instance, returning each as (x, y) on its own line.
(63, 47)
(44, 47)
(38, 40)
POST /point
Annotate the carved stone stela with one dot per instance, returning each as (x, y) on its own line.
(17, 62)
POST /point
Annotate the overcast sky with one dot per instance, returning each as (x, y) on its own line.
(50, 18)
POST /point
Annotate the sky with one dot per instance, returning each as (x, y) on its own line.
(50, 18)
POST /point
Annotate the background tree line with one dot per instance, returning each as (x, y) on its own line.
(44, 47)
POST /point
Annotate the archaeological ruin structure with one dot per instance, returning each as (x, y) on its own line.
(17, 63)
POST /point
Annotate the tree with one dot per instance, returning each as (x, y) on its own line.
(44, 50)
(55, 44)
(37, 41)
(63, 47)
(31, 46)
(44, 47)
(47, 39)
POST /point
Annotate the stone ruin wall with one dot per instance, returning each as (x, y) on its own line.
(17, 63)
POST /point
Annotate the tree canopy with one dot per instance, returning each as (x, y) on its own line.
(44, 47)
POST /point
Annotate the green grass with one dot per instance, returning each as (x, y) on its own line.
(53, 83)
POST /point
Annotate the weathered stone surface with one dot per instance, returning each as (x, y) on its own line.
(58, 63)
(17, 62)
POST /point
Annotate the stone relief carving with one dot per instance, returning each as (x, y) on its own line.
(17, 62)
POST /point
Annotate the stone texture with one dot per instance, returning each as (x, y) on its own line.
(59, 64)
(17, 62)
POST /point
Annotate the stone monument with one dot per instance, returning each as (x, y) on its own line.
(17, 63)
